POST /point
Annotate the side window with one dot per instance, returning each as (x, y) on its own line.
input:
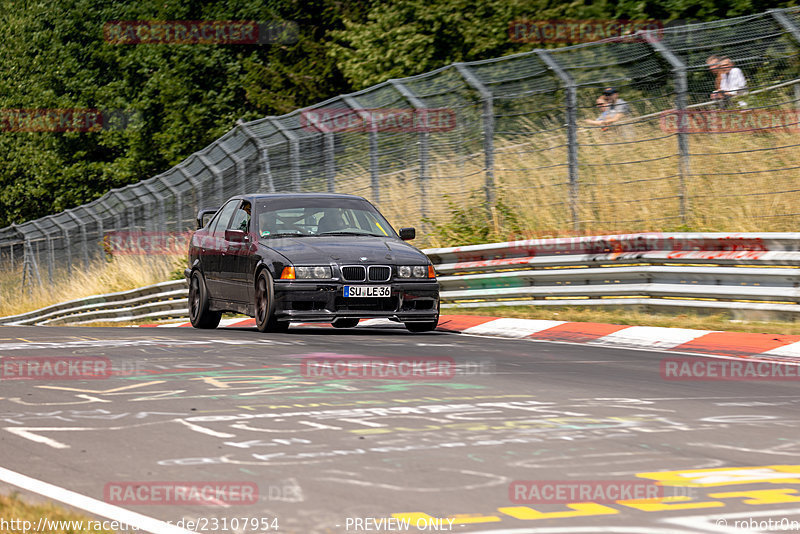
(224, 217)
(241, 219)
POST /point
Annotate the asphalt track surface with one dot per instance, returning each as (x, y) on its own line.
(233, 405)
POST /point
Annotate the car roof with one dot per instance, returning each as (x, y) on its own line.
(273, 196)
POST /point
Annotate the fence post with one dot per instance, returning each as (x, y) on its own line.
(196, 187)
(159, 205)
(102, 202)
(217, 174)
(780, 16)
(330, 160)
(50, 253)
(572, 132)
(786, 23)
(681, 91)
(178, 203)
(67, 245)
(374, 170)
(294, 151)
(96, 216)
(488, 128)
(263, 154)
(424, 145)
(239, 164)
(84, 237)
(30, 270)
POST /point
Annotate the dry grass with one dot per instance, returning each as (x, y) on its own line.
(629, 182)
(119, 274)
(12, 507)
(719, 321)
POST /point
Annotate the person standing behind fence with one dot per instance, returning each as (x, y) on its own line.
(615, 108)
(713, 62)
(732, 83)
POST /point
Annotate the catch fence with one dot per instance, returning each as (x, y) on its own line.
(501, 136)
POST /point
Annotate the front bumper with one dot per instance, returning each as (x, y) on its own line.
(312, 301)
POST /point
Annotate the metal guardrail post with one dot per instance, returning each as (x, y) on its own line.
(374, 170)
(488, 128)
(424, 144)
(263, 154)
(294, 151)
(572, 132)
(681, 91)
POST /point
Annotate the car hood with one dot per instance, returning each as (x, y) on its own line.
(345, 249)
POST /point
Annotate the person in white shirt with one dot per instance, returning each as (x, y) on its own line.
(731, 81)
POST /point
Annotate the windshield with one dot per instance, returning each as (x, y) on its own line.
(312, 217)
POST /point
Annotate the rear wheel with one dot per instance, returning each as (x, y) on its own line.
(344, 323)
(422, 326)
(199, 314)
(265, 305)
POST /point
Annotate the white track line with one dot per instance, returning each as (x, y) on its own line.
(92, 506)
(512, 328)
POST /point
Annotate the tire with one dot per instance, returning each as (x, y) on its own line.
(199, 314)
(344, 323)
(265, 305)
(422, 326)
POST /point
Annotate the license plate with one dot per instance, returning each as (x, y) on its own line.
(367, 291)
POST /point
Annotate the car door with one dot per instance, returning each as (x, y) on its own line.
(234, 271)
(214, 253)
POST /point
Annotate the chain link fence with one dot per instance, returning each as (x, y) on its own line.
(518, 140)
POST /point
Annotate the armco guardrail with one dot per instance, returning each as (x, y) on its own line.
(742, 271)
(162, 300)
(715, 271)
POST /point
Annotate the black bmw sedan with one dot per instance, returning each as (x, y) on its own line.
(307, 257)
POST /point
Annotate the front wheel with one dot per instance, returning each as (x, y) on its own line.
(199, 314)
(422, 326)
(345, 323)
(265, 305)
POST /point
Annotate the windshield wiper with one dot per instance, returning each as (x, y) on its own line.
(351, 233)
(284, 234)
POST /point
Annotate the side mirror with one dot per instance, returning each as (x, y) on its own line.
(235, 236)
(407, 234)
(204, 216)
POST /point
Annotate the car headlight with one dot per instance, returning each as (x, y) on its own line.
(419, 271)
(415, 271)
(315, 272)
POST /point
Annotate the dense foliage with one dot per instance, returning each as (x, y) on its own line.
(181, 97)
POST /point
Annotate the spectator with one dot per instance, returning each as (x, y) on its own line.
(712, 63)
(732, 82)
(612, 107)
